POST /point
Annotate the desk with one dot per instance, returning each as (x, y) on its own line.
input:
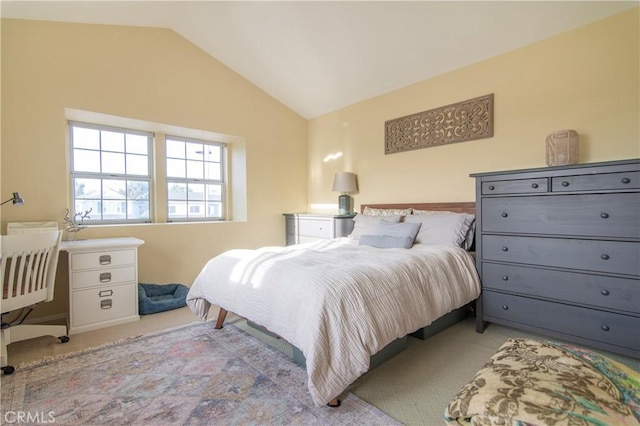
(103, 282)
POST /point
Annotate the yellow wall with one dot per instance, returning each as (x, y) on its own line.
(145, 74)
(586, 79)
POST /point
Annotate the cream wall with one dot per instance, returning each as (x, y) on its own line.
(152, 75)
(586, 79)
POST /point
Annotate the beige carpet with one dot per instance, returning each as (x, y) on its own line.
(413, 387)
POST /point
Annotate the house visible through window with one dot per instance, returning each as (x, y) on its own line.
(111, 173)
(195, 179)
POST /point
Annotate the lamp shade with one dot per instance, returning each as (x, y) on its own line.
(344, 182)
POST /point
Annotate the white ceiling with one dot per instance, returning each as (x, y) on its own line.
(316, 57)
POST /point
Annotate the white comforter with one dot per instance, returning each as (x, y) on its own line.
(336, 301)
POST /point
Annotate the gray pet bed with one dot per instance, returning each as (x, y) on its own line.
(154, 298)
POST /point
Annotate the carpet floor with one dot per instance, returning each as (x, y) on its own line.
(191, 375)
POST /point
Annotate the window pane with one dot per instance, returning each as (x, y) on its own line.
(194, 169)
(176, 168)
(114, 210)
(137, 144)
(196, 209)
(137, 165)
(195, 151)
(175, 149)
(137, 190)
(138, 210)
(83, 206)
(214, 210)
(177, 191)
(86, 138)
(112, 141)
(214, 192)
(213, 153)
(114, 189)
(86, 161)
(177, 209)
(212, 171)
(112, 163)
(196, 191)
(88, 188)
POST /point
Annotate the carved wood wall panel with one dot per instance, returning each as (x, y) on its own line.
(460, 122)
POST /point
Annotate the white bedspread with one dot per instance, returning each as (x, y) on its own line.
(336, 301)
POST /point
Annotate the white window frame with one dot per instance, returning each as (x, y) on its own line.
(94, 217)
(172, 217)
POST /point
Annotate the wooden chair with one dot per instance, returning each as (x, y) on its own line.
(28, 266)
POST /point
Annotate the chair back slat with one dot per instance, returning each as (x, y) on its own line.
(27, 268)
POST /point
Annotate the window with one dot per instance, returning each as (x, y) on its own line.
(195, 179)
(110, 173)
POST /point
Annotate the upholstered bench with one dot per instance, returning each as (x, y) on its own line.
(545, 383)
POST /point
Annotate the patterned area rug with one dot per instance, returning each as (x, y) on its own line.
(193, 375)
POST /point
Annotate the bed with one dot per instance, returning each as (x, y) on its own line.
(342, 301)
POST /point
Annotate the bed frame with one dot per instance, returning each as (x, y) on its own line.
(398, 345)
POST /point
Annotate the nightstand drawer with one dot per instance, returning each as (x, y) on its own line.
(104, 259)
(103, 304)
(516, 186)
(101, 277)
(605, 181)
(621, 294)
(589, 255)
(600, 326)
(322, 228)
(601, 215)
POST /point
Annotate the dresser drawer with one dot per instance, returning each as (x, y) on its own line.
(103, 304)
(515, 186)
(621, 294)
(589, 255)
(322, 228)
(614, 329)
(605, 181)
(101, 277)
(102, 259)
(598, 215)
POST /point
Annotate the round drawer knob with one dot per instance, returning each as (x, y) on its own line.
(534, 185)
(505, 248)
(505, 278)
(505, 307)
(604, 292)
(604, 328)
(491, 187)
(565, 183)
(625, 180)
(604, 257)
(604, 215)
(504, 214)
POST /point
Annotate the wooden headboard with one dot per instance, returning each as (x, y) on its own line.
(456, 207)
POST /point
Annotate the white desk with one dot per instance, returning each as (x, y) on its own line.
(103, 282)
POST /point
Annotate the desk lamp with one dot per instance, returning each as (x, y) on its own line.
(17, 200)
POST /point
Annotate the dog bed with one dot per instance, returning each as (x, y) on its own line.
(544, 383)
(154, 298)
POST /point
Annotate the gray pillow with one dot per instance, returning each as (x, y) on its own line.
(402, 229)
(365, 224)
(386, 241)
(451, 229)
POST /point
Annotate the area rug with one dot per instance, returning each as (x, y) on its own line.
(193, 375)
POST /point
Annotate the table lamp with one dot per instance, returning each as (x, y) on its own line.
(344, 182)
(16, 198)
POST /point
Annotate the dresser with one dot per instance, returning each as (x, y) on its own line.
(307, 227)
(558, 252)
(103, 282)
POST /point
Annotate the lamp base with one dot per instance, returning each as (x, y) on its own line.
(345, 204)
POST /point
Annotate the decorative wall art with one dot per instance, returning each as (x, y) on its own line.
(460, 122)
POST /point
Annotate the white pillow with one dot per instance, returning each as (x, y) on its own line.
(452, 229)
(366, 224)
(391, 235)
(386, 212)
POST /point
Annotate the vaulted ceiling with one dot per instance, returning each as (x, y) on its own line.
(316, 57)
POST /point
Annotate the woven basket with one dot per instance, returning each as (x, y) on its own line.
(562, 148)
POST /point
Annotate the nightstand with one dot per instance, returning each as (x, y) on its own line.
(103, 282)
(307, 227)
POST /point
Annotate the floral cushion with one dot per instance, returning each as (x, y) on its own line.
(543, 383)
